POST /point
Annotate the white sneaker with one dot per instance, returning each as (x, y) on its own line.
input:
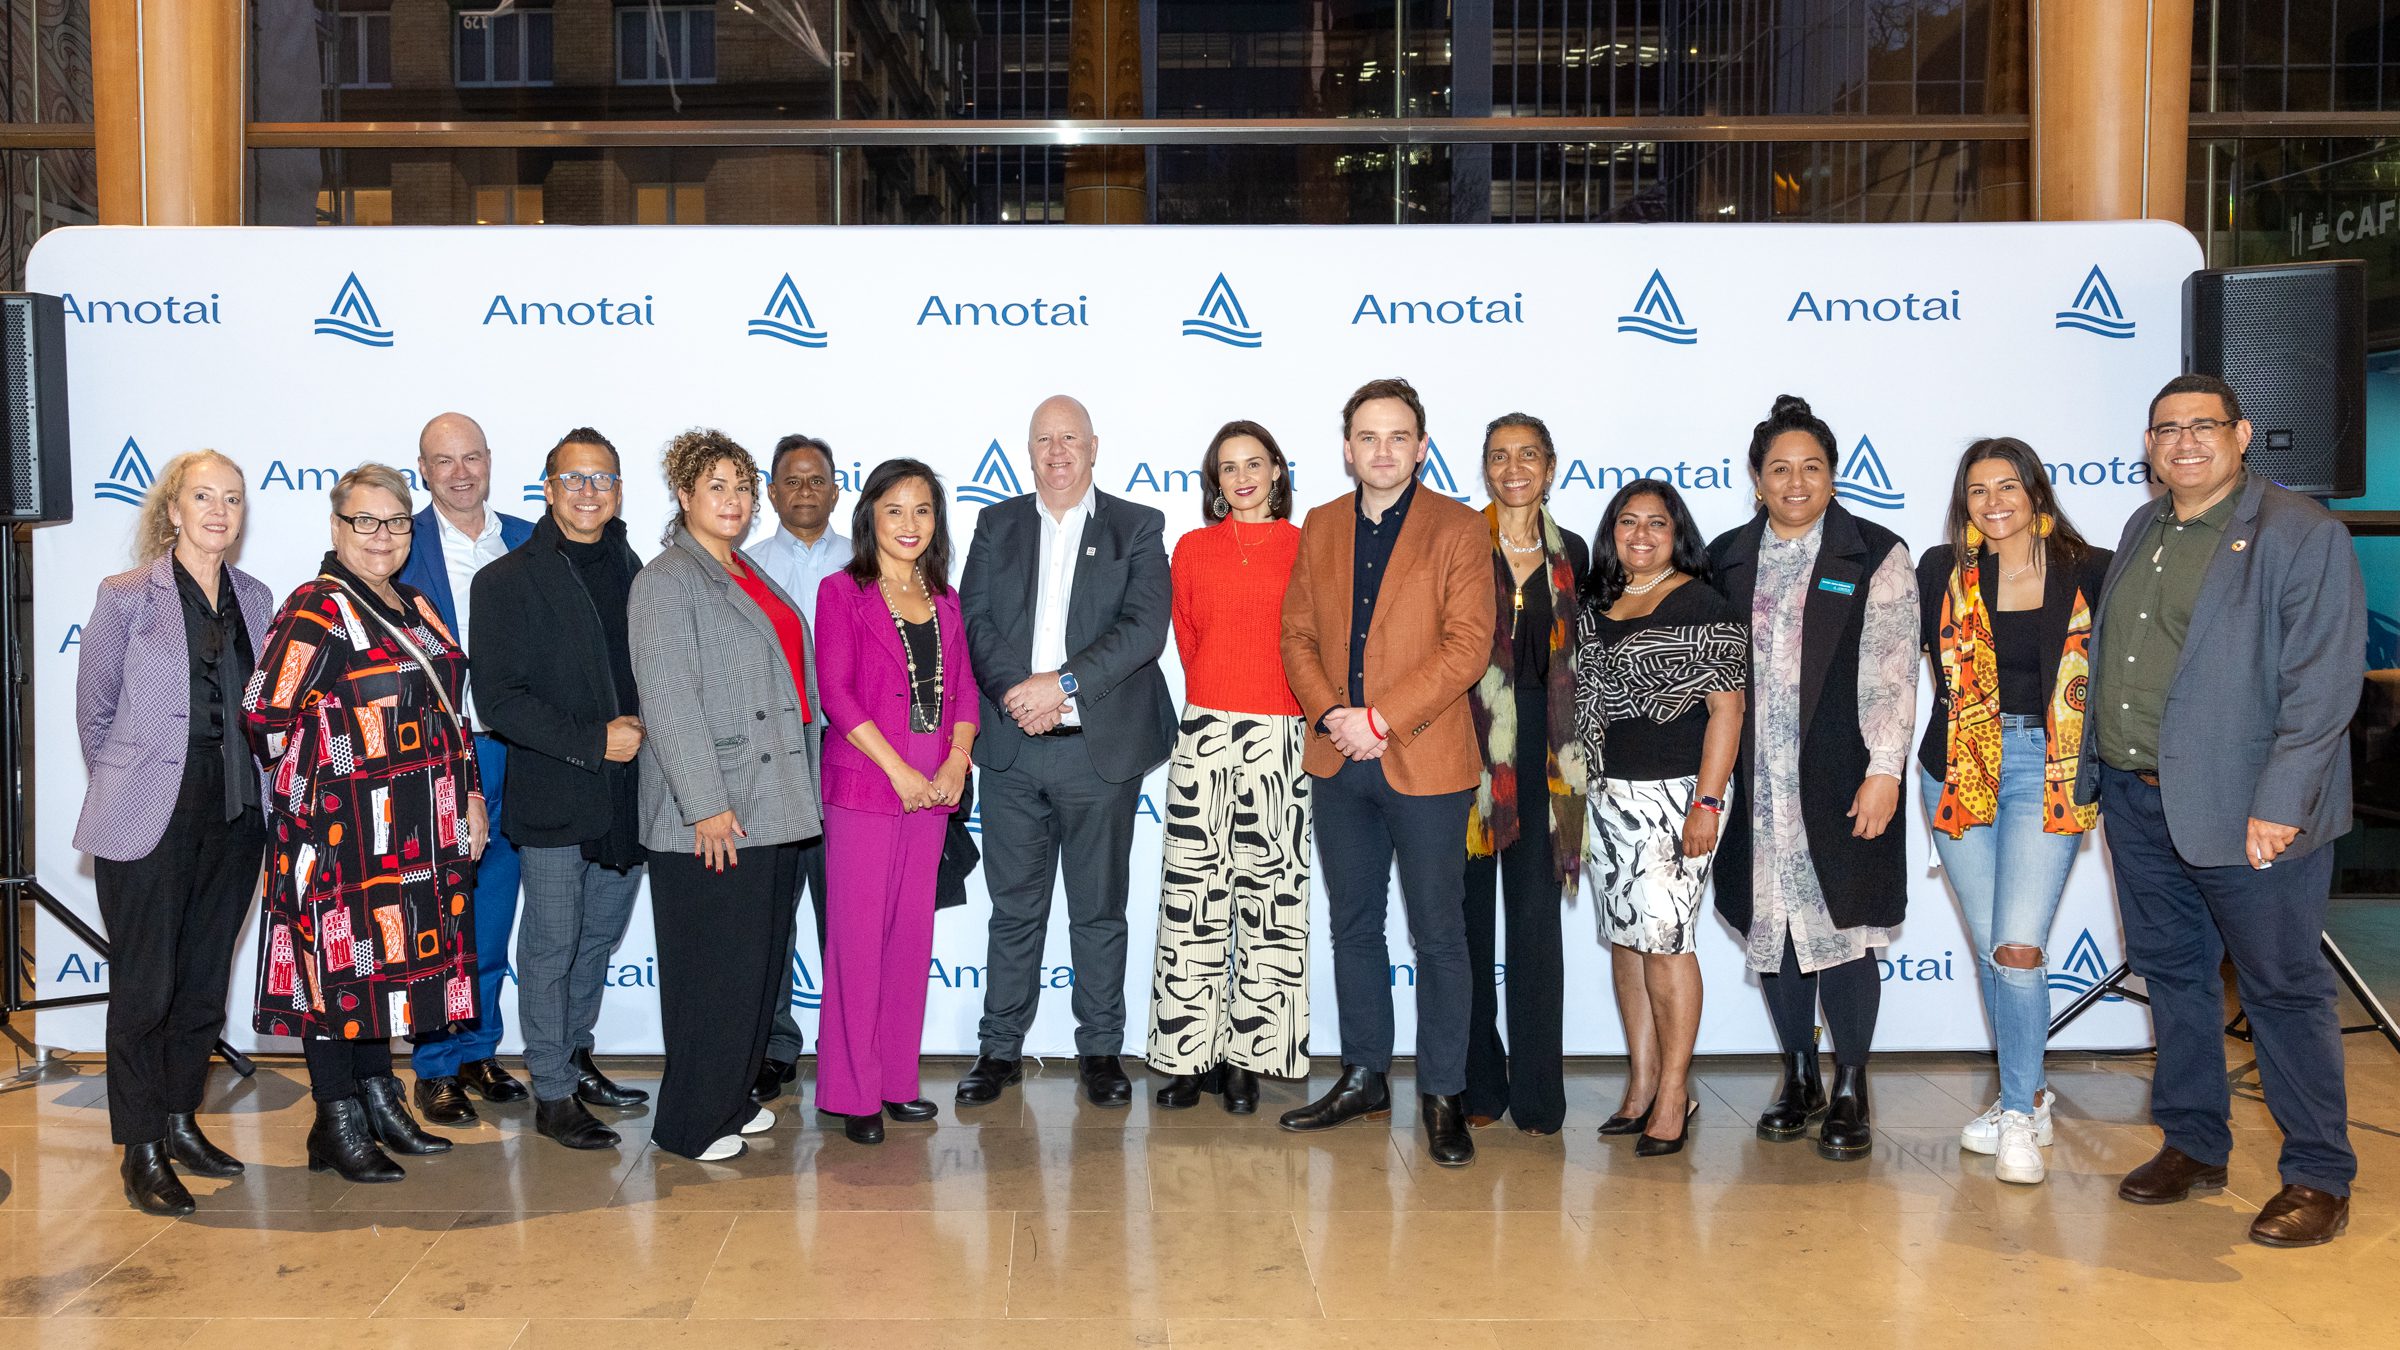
(2020, 1158)
(1982, 1134)
(731, 1146)
(760, 1123)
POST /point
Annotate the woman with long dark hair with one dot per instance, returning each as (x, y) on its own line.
(1815, 878)
(1229, 996)
(1525, 825)
(900, 700)
(1658, 711)
(2005, 605)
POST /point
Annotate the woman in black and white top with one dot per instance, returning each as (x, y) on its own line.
(1658, 707)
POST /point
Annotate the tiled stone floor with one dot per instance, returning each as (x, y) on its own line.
(1045, 1224)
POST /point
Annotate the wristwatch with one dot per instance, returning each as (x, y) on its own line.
(1066, 683)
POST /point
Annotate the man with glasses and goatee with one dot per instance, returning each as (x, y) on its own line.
(2230, 646)
(554, 679)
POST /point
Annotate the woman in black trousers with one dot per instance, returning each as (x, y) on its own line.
(729, 790)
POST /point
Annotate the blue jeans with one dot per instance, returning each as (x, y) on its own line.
(2008, 876)
(439, 1055)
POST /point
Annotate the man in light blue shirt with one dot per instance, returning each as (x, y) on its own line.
(802, 551)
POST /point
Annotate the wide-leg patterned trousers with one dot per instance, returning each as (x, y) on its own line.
(1231, 983)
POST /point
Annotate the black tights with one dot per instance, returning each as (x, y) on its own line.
(335, 1067)
(1852, 993)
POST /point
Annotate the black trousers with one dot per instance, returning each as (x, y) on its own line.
(724, 950)
(785, 1042)
(336, 1067)
(173, 918)
(1530, 1086)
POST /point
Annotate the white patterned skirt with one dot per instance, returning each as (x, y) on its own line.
(1649, 893)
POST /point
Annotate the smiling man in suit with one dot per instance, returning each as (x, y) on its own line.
(2228, 654)
(1067, 607)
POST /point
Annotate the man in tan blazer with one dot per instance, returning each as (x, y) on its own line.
(1387, 623)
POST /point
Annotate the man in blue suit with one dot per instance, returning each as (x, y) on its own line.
(453, 540)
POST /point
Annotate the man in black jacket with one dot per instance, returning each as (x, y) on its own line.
(554, 679)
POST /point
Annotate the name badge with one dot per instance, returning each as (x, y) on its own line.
(1837, 587)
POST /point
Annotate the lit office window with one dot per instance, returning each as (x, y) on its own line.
(508, 205)
(505, 49)
(667, 44)
(670, 204)
(355, 206)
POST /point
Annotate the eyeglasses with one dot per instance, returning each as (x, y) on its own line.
(398, 526)
(597, 482)
(2206, 430)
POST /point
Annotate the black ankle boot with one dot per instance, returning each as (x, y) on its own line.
(1181, 1090)
(1845, 1137)
(1359, 1094)
(343, 1142)
(1799, 1101)
(151, 1184)
(388, 1117)
(1241, 1090)
(193, 1153)
(1447, 1140)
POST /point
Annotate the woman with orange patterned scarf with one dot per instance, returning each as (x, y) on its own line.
(2006, 608)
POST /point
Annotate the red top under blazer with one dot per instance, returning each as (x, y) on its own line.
(862, 675)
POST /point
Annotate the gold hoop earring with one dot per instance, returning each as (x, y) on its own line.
(1974, 537)
(2044, 524)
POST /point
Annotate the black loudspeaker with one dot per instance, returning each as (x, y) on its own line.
(33, 387)
(2292, 340)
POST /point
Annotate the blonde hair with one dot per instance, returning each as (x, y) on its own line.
(689, 458)
(372, 475)
(154, 531)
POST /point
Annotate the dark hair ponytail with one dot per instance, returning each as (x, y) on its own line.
(1790, 413)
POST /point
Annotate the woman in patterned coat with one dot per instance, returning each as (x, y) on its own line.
(377, 819)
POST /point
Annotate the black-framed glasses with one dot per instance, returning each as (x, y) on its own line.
(573, 481)
(2206, 430)
(362, 523)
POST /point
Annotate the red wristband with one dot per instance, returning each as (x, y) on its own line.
(1380, 733)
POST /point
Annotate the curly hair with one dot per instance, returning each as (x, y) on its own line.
(153, 531)
(689, 458)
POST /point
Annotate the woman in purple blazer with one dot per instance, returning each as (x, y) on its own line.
(900, 710)
(172, 813)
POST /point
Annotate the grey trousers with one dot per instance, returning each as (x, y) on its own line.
(785, 1042)
(1047, 807)
(570, 918)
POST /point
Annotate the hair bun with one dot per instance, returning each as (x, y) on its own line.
(1790, 405)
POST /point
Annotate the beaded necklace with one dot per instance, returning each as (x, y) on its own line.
(924, 714)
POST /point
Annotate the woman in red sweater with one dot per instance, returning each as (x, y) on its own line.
(1229, 1000)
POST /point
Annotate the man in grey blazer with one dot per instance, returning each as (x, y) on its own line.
(2229, 650)
(1067, 606)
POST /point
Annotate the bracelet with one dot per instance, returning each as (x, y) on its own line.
(957, 749)
(1712, 805)
(1380, 733)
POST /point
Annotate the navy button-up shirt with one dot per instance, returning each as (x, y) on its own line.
(1370, 558)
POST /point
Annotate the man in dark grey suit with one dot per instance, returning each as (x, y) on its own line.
(2228, 655)
(1067, 606)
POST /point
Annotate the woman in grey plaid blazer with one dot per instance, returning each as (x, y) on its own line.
(729, 790)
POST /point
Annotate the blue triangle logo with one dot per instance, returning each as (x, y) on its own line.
(2096, 310)
(352, 317)
(1435, 473)
(1221, 318)
(1656, 315)
(128, 479)
(1863, 481)
(994, 481)
(786, 318)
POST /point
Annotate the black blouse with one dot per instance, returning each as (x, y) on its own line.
(221, 663)
(1532, 610)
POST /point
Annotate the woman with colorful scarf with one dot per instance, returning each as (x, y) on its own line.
(2006, 612)
(1525, 828)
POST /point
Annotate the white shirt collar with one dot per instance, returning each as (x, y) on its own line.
(1082, 508)
(491, 525)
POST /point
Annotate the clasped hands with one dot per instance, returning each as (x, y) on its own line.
(1036, 703)
(1352, 731)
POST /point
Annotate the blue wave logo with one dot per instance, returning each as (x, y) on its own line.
(995, 479)
(533, 492)
(805, 993)
(1864, 483)
(128, 479)
(1435, 473)
(2083, 968)
(786, 318)
(2096, 309)
(353, 317)
(1221, 318)
(1656, 315)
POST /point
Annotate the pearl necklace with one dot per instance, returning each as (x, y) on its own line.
(919, 720)
(1515, 547)
(1648, 586)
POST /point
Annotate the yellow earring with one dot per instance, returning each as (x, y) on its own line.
(2043, 524)
(1974, 536)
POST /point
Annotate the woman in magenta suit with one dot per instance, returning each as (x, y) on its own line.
(901, 712)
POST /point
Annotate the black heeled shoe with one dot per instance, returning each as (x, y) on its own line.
(151, 1185)
(864, 1129)
(1651, 1146)
(1623, 1124)
(343, 1142)
(191, 1151)
(388, 1118)
(1241, 1090)
(911, 1113)
(1845, 1135)
(1799, 1101)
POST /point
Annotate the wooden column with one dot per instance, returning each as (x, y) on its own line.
(167, 110)
(1106, 184)
(2112, 91)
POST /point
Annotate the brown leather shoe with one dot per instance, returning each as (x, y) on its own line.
(2301, 1216)
(2170, 1176)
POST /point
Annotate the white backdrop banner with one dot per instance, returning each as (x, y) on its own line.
(1650, 350)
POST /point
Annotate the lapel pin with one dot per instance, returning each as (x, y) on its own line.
(1091, 552)
(2240, 544)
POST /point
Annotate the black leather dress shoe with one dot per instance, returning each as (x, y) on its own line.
(911, 1113)
(863, 1129)
(566, 1121)
(1181, 1090)
(491, 1082)
(1845, 1137)
(388, 1117)
(1241, 1090)
(772, 1075)
(982, 1085)
(2301, 1216)
(2169, 1176)
(1447, 1139)
(1359, 1094)
(444, 1102)
(1651, 1146)
(151, 1184)
(1104, 1080)
(192, 1152)
(595, 1088)
(342, 1141)
(1800, 1100)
